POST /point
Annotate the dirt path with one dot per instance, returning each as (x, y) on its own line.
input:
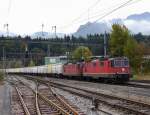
(4, 99)
(1, 96)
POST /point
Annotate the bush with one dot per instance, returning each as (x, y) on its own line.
(146, 66)
(1, 76)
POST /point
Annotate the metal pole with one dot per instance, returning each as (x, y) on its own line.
(7, 29)
(82, 54)
(42, 30)
(4, 65)
(48, 50)
(55, 30)
(3, 56)
(67, 54)
(105, 49)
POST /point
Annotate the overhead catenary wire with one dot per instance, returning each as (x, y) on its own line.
(104, 13)
(96, 3)
(108, 13)
(115, 9)
(79, 17)
(9, 7)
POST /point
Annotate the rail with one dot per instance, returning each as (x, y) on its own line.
(89, 94)
(73, 111)
(22, 102)
(52, 104)
(36, 103)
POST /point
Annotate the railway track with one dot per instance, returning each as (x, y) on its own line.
(141, 81)
(42, 101)
(22, 100)
(18, 105)
(132, 83)
(130, 106)
(138, 84)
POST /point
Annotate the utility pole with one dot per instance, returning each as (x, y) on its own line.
(42, 30)
(67, 54)
(48, 50)
(3, 58)
(26, 56)
(105, 48)
(4, 65)
(7, 29)
(54, 27)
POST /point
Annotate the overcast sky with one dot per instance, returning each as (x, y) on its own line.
(27, 16)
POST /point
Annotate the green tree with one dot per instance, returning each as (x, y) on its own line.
(146, 66)
(123, 44)
(1, 76)
(134, 52)
(118, 38)
(17, 64)
(82, 53)
(31, 63)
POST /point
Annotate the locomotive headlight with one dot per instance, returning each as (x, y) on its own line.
(123, 69)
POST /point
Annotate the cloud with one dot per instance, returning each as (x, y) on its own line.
(138, 26)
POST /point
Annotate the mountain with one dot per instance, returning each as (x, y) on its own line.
(139, 17)
(139, 23)
(116, 21)
(46, 35)
(135, 23)
(5, 34)
(91, 28)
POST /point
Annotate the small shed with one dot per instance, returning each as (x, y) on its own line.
(55, 59)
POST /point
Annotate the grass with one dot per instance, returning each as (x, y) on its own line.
(1, 76)
(141, 77)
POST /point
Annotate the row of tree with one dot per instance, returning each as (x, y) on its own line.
(26, 51)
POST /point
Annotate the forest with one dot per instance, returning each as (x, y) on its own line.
(19, 51)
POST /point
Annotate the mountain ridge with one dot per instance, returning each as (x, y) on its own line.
(135, 23)
(139, 17)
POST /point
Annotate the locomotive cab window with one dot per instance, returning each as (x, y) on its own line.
(119, 63)
(78, 66)
(101, 64)
(126, 63)
(94, 64)
(112, 63)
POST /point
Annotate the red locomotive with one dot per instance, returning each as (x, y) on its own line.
(106, 69)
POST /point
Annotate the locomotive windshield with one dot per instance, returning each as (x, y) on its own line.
(120, 62)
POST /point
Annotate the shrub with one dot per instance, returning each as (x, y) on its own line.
(1, 76)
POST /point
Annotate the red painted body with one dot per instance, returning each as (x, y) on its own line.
(72, 69)
(103, 67)
(113, 68)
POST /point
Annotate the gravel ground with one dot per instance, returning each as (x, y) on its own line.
(86, 105)
(32, 84)
(1, 96)
(138, 94)
(4, 99)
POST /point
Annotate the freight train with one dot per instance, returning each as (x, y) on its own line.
(105, 69)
